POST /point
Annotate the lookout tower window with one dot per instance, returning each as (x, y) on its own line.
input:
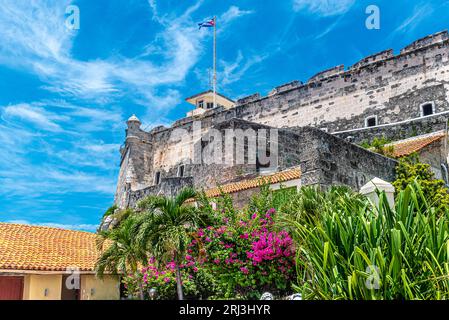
(200, 104)
(210, 105)
(427, 109)
(181, 171)
(157, 178)
(371, 121)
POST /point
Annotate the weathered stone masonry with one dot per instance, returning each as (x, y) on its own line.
(392, 88)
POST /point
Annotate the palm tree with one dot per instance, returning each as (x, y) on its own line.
(165, 227)
(120, 252)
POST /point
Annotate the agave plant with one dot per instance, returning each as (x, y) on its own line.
(349, 248)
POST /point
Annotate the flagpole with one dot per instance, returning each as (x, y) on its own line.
(215, 62)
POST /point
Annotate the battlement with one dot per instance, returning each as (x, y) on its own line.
(248, 99)
(331, 83)
(377, 91)
(344, 97)
(285, 87)
(373, 58)
(327, 73)
(426, 41)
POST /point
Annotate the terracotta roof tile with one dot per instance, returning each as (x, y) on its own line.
(277, 177)
(406, 147)
(25, 247)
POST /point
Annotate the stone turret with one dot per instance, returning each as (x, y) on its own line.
(133, 126)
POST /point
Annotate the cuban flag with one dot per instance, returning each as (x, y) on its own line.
(208, 24)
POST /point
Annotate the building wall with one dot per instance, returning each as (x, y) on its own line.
(391, 87)
(35, 285)
(92, 288)
(327, 160)
(397, 131)
(435, 155)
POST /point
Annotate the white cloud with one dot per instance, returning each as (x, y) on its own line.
(34, 38)
(34, 115)
(69, 144)
(232, 14)
(235, 70)
(67, 157)
(323, 8)
(419, 13)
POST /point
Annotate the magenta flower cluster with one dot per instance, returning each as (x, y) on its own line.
(245, 250)
(270, 246)
(250, 248)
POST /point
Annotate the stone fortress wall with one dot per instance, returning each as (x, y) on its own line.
(390, 87)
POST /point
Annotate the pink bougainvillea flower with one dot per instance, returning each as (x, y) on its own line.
(244, 270)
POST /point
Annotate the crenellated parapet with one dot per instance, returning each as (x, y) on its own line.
(387, 54)
(377, 91)
(327, 73)
(426, 41)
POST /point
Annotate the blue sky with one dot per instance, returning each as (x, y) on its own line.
(65, 94)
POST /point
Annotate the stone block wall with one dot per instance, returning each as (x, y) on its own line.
(168, 187)
(391, 87)
(327, 160)
(397, 131)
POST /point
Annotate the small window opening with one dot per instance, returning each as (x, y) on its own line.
(181, 171)
(371, 121)
(426, 109)
(200, 104)
(157, 178)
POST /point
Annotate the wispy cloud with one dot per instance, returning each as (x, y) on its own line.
(233, 13)
(409, 24)
(34, 38)
(330, 28)
(233, 71)
(49, 147)
(419, 13)
(323, 8)
(34, 115)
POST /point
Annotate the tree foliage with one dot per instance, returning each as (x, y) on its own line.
(411, 169)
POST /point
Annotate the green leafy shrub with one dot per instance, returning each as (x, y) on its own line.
(246, 256)
(379, 145)
(196, 283)
(238, 256)
(410, 169)
(349, 249)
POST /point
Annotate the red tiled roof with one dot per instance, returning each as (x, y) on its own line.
(277, 177)
(25, 247)
(406, 147)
